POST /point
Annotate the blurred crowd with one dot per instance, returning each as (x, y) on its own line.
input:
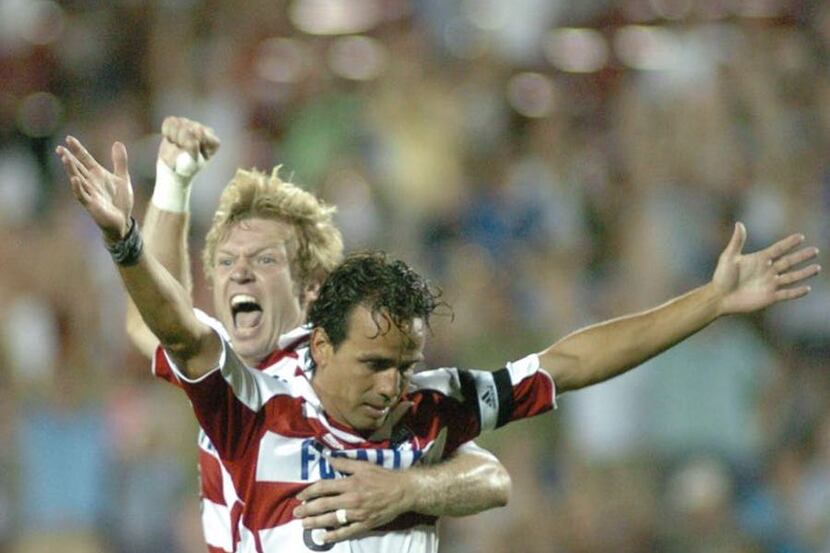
(547, 165)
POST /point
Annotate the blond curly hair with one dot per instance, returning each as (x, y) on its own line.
(319, 246)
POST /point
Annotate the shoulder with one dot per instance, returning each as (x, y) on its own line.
(213, 323)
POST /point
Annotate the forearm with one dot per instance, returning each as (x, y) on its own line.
(166, 308)
(602, 351)
(466, 484)
(165, 237)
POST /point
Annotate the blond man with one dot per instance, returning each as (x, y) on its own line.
(269, 247)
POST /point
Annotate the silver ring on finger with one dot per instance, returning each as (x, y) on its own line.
(342, 516)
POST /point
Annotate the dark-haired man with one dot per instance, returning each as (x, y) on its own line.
(269, 246)
(356, 397)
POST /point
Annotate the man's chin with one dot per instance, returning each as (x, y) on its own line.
(249, 346)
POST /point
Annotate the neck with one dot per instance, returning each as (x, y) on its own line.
(253, 361)
(319, 387)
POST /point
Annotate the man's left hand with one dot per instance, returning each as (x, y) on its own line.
(749, 282)
(371, 496)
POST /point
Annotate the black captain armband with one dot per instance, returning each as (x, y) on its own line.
(127, 251)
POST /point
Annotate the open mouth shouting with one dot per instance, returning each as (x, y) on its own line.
(246, 312)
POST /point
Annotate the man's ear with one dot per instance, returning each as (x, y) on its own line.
(310, 292)
(320, 346)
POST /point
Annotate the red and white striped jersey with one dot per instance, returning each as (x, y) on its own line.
(273, 439)
(220, 504)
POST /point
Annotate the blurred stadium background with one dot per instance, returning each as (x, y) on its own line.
(549, 163)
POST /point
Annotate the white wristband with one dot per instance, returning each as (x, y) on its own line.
(172, 189)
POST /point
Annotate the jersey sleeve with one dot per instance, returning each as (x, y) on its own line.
(228, 400)
(472, 447)
(162, 370)
(470, 402)
(519, 390)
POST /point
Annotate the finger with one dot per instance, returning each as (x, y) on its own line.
(82, 154)
(783, 246)
(323, 488)
(194, 143)
(119, 161)
(179, 131)
(798, 276)
(78, 167)
(793, 259)
(79, 191)
(210, 142)
(345, 532)
(70, 162)
(324, 505)
(327, 520)
(349, 466)
(89, 192)
(169, 127)
(73, 166)
(188, 140)
(316, 507)
(792, 293)
(736, 242)
(66, 158)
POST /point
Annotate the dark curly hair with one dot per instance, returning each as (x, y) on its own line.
(380, 284)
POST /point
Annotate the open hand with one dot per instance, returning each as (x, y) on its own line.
(748, 282)
(372, 496)
(107, 196)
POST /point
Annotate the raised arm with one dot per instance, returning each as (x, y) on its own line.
(161, 300)
(185, 146)
(469, 482)
(742, 283)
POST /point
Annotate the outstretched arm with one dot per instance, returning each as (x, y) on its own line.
(163, 303)
(185, 146)
(742, 283)
(471, 481)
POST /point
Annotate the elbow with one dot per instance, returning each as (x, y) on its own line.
(195, 353)
(567, 370)
(183, 343)
(134, 325)
(502, 486)
(140, 337)
(184, 346)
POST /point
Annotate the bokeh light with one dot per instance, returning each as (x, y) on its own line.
(357, 58)
(486, 15)
(531, 94)
(576, 50)
(335, 17)
(282, 60)
(646, 47)
(39, 115)
(672, 9)
(37, 22)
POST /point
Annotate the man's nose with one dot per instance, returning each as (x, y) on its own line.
(241, 271)
(387, 384)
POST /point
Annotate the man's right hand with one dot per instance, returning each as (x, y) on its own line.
(180, 134)
(107, 196)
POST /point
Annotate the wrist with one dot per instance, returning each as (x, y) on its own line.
(715, 298)
(416, 496)
(126, 250)
(112, 237)
(172, 189)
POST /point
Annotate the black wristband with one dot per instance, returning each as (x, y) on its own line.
(127, 251)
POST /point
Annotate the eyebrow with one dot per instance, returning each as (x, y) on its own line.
(376, 357)
(255, 252)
